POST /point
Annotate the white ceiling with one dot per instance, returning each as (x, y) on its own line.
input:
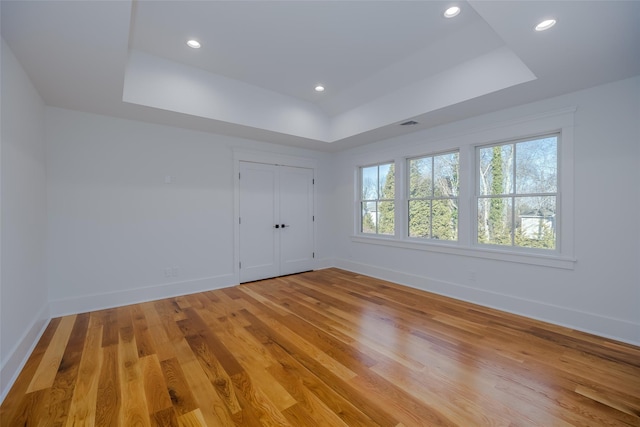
(382, 62)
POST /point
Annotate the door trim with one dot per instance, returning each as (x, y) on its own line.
(240, 155)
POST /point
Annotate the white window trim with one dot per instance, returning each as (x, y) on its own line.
(472, 252)
(560, 121)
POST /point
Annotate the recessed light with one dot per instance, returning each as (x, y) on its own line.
(195, 44)
(319, 88)
(546, 24)
(451, 12)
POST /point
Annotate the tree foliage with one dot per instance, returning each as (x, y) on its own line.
(386, 208)
(499, 232)
(368, 224)
(544, 239)
(419, 210)
(433, 205)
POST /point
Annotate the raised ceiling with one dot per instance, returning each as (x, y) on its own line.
(382, 62)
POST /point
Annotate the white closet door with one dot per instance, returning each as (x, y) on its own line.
(259, 240)
(276, 220)
(296, 213)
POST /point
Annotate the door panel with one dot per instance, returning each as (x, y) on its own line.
(273, 196)
(296, 212)
(260, 256)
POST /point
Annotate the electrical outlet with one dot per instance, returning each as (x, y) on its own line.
(174, 271)
(472, 275)
(167, 272)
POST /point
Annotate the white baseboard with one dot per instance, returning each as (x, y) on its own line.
(20, 353)
(606, 327)
(85, 303)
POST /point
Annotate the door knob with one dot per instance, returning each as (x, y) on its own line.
(277, 226)
(283, 226)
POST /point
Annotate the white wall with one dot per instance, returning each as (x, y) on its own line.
(23, 291)
(601, 292)
(115, 225)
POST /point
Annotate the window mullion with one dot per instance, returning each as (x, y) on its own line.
(401, 211)
(513, 194)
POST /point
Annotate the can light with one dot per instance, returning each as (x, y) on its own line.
(451, 12)
(545, 25)
(319, 88)
(195, 44)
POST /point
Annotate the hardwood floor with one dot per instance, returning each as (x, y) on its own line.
(326, 348)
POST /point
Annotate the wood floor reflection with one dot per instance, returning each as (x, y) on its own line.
(324, 348)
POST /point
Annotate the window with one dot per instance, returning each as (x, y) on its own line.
(517, 184)
(377, 194)
(433, 196)
(502, 190)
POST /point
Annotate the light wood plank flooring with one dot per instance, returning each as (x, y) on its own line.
(325, 348)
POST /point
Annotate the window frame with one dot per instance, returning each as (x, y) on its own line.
(513, 194)
(409, 199)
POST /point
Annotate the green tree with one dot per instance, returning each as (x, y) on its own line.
(419, 210)
(496, 208)
(386, 211)
(368, 225)
(494, 183)
(444, 212)
(444, 221)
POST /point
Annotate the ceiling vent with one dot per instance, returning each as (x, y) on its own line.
(409, 123)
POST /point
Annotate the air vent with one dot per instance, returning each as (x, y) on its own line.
(409, 123)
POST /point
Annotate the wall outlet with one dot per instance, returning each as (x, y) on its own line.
(174, 271)
(472, 275)
(167, 272)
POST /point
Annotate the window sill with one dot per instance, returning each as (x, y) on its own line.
(554, 261)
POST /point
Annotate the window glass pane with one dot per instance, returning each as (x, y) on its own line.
(387, 181)
(377, 194)
(536, 222)
(444, 218)
(525, 174)
(537, 166)
(420, 172)
(419, 218)
(496, 170)
(433, 191)
(494, 220)
(369, 217)
(445, 175)
(370, 183)
(386, 218)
